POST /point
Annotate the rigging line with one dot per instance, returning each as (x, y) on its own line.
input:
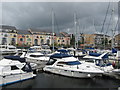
(116, 27)
(57, 24)
(109, 23)
(105, 17)
(94, 25)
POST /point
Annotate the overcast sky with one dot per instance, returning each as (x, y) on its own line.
(24, 15)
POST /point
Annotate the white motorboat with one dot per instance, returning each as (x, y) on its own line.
(12, 71)
(96, 55)
(21, 57)
(8, 49)
(69, 66)
(37, 58)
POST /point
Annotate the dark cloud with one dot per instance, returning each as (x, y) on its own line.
(26, 15)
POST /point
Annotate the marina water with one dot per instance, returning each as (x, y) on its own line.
(48, 80)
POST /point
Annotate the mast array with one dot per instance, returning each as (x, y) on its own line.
(53, 30)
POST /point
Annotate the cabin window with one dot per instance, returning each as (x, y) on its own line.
(36, 55)
(65, 70)
(91, 61)
(14, 68)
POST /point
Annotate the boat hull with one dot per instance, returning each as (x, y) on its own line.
(37, 61)
(70, 73)
(14, 78)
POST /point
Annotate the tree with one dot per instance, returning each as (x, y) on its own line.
(72, 40)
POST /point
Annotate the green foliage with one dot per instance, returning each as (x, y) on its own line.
(72, 40)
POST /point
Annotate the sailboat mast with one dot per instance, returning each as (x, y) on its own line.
(53, 29)
(75, 25)
(112, 46)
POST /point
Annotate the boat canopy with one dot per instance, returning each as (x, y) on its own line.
(114, 50)
(63, 51)
(89, 48)
(94, 54)
(73, 63)
(59, 55)
(15, 58)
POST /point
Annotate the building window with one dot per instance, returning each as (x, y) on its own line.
(13, 41)
(42, 41)
(23, 36)
(48, 41)
(6, 35)
(14, 35)
(58, 40)
(4, 41)
(62, 40)
(21, 39)
(28, 39)
(27, 36)
(40, 36)
(37, 37)
(35, 42)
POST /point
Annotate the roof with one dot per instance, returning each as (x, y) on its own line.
(23, 32)
(59, 35)
(65, 34)
(117, 35)
(7, 27)
(101, 35)
(41, 30)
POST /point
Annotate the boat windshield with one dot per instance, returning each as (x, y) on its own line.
(102, 62)
(51, 62)
(91, 61)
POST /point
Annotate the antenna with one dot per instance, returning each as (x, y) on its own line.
(75, 25)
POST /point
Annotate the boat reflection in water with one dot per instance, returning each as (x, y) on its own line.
(23, 84)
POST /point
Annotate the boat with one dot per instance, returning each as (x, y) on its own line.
(42, 59)
(37, 57)
(67, 65)
(100, 60)
(12, 71)
(21, 57)
(8, 49)
(92, 55)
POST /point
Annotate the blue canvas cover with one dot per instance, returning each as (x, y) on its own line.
(73, 63)
(114, 50)
(62, 50)
(15, 58)
(94, 54)
(59, 55)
